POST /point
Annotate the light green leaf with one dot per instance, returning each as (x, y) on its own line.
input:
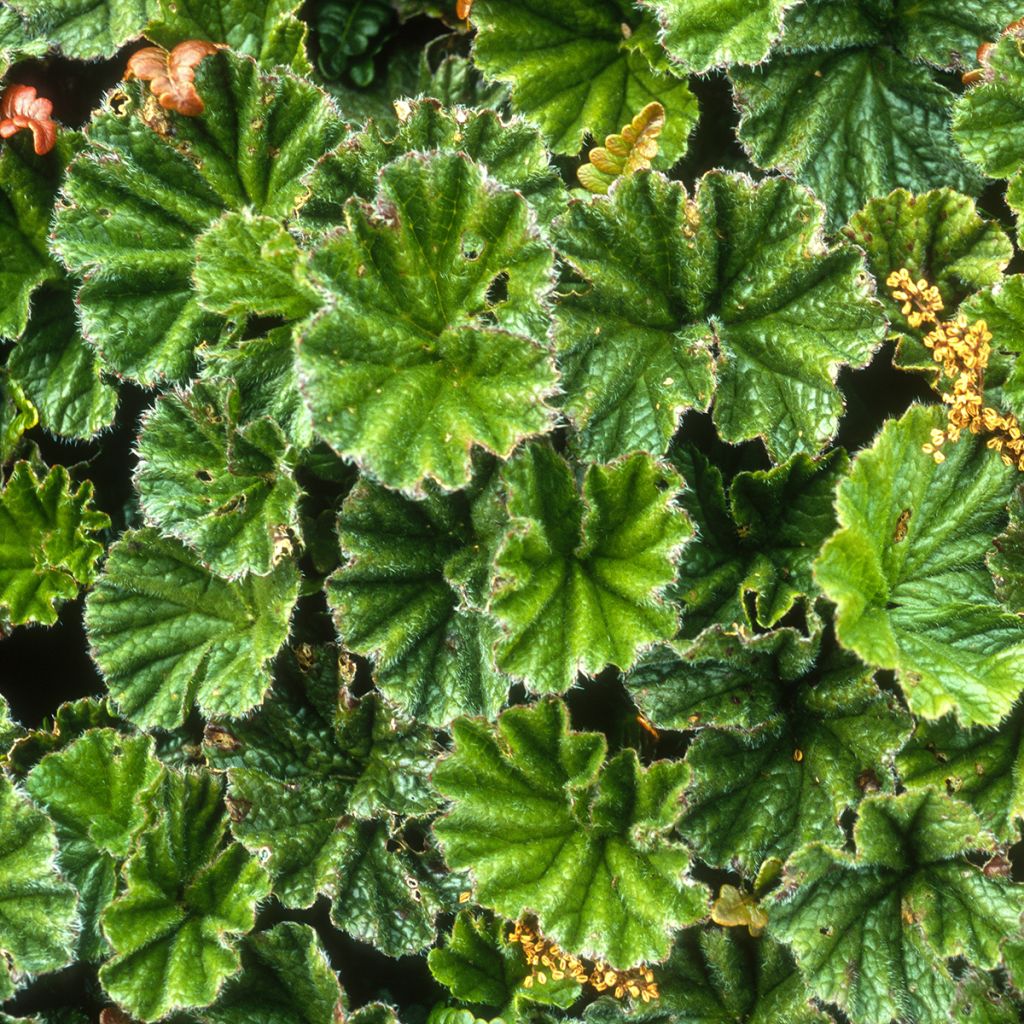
(221, 485)
(871, 932)
(39, 919)
(409, 397)
(167, 634)
(986, 116)
(715, 977)
(394, 600)
(286, 978)
(60, 373)
(47, 545)
(578, 578)
(581, 66)
(546, 826)
(67, 724)
(1002, 308)
(143, 191)
(268, 30)
(851, 124)
(511, 150)
(17, 415)
(741, 267)
(949, 32)
(249, 264)
(906, 571)
(186, 900)
(85, 29)
(760, 544)
(702, 34)
(982, 767)
(99, 792)
(17, 40)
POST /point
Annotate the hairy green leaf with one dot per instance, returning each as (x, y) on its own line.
(581, 66)
(578, 577)
(221, 485)
(166, 633)
(1006, 558)
(17, 415)
(408, 397)
(149, 184)
(906, 571)
(17, 40)
(85, 29)
(396, 601)
(48, 549)
(546, 826)
(98, 791)
(741, 267)
(186, 900)
(870, 932)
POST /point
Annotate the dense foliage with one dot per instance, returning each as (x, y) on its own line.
(540, 488)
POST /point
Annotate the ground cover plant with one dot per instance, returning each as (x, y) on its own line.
(511, 511)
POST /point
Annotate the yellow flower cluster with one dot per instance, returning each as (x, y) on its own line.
(548, 959)
(963, 349)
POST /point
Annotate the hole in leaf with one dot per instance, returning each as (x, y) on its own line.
(204, 475)
(472, 246)
(497, 290)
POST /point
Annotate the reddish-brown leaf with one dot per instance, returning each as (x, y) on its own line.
(171, 75)
(21, 108)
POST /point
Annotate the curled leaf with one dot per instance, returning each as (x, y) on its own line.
(21, 108)
(171, 74)
(624, 154)
(734, 908)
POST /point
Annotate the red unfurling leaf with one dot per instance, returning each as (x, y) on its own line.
(171, 75)
(21, 108)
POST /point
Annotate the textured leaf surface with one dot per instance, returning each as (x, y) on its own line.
(17, 414)
(48, 548)
(148, 185)
(38, 917)
(187, 898)
(408, 397)
(545, 827)
(166, 633)
(86, 29)
(576, 67)
(268, 30)
(60, 373)
(906, 571)
(578, 577)
(870, 932)
(217, 483)
(395, 600)
(852, 124)
(17, 40)
(624, 153)
(761, 543)
(701, 34)
(99, 793)
(741, 266)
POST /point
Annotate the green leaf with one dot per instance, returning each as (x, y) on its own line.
(870, 932)
(167, 634)
(85, 29)
(578, 577)
(221, 485)
(28, 187)
(286, 978)
(67, 724)
(716, 977)
(248, 264)
(985, 116)
(949, 32)
(187, 898)
(144, 190)
(511, 150)
(268, 30)
(394, 601)
(938, 236)
(17, 415)
(39, 920)
(546, 826)
(851, 124)
(99, 792)
(741, 267)
(982, 767)
(906, 571)
(1006, 558)
(47, 550)
(17, 40)
(581, 66)
(760, 796)
(60, 373)
(409, 397)
(702, 34)
(761, 543)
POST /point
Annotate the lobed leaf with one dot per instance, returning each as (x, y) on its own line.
(85, 29)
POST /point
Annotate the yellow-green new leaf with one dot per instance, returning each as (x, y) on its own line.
(625, 153)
